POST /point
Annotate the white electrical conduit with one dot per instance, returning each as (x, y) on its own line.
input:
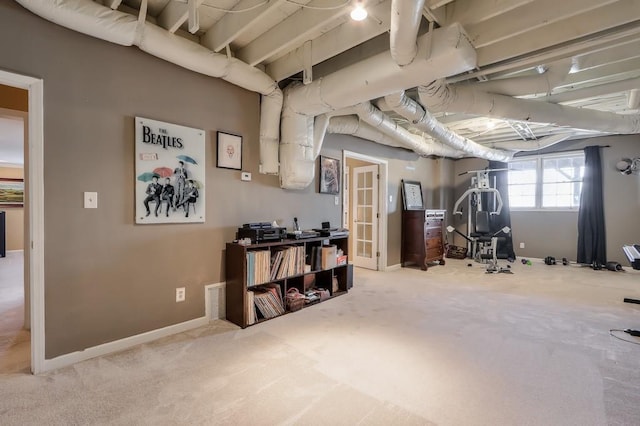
(379, 120)
(438, 96)
(405, 22)
(93, 19)
(423, 120)
(529, 85)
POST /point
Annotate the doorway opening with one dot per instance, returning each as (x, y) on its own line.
(15, 337)
(365, 209)
(31, 114)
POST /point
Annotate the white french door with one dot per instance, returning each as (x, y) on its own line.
(365, 216)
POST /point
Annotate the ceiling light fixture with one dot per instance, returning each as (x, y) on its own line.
(359, 13)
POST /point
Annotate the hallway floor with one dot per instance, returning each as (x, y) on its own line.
(15, 341)
(449, 346)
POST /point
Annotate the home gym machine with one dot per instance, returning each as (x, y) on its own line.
(482, 244)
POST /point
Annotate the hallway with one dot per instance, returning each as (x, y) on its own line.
(15, 342)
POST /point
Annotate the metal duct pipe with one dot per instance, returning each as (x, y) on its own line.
(423, 120)
(378, 120)
(101, 22)
(438, 96)
(405, 22)
(529, 85)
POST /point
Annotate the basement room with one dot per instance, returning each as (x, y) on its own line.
(319, 212)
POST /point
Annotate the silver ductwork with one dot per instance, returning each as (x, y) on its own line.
(101, 22)
(438, 96)
(379, 120)
(352, 125)
(423, 120)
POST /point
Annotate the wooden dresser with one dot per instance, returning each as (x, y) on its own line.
(422, 237)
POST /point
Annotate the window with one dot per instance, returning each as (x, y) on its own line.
(546, 182)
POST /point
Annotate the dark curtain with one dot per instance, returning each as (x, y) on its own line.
(497, 222)
(591, 232)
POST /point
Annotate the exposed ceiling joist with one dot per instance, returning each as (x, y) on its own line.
(334, 42)
(528, 18)
(611, 72)
(175, 14)
(614, 54)
(290, 33)
(232, 25)
(594, 21)
(594, 91)
(113, 4)
(472, 11)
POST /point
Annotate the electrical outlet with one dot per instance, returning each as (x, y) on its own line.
(180, 294)
(521, 245)
(337, 201)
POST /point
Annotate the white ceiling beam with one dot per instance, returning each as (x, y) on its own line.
(227, 29)
(611, 55)
(594, 21)
(290, 33)
(528, 18)
(114, 4)
(605, 73)
(472, 11)
(594, 91)
(434, 15)
(334, 42)
(174, 14)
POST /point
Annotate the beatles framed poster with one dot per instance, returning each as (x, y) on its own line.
(170, 173)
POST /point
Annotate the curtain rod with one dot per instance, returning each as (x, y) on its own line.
(526, 154)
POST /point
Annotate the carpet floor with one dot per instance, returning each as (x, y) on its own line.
(450, 346)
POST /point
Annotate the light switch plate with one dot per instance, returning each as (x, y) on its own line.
(90, 200)
(337, 200)
(245, 176)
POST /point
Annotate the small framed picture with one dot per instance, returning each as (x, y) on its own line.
(11, 192)
(329, 175)
(229, 151)
(412, 195)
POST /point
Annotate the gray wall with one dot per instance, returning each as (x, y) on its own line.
(555, 233)
(105, 277)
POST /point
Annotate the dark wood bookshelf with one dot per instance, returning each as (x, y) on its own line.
(237, 273)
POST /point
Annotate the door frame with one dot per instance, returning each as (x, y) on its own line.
(383, 206)
(34, 246)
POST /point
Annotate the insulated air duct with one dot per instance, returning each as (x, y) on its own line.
(450, 53)
(352, 125)
(405, 22)
(438, 96)
(101, 22)
(423, 120)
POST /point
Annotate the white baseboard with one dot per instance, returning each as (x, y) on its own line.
(128, 342)
(393, 267)
(122, 344)
(15, 251)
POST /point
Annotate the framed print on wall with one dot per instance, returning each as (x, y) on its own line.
(412, 195)
(329, 175)
(11, 192)
(229, 151)
(170, 173)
